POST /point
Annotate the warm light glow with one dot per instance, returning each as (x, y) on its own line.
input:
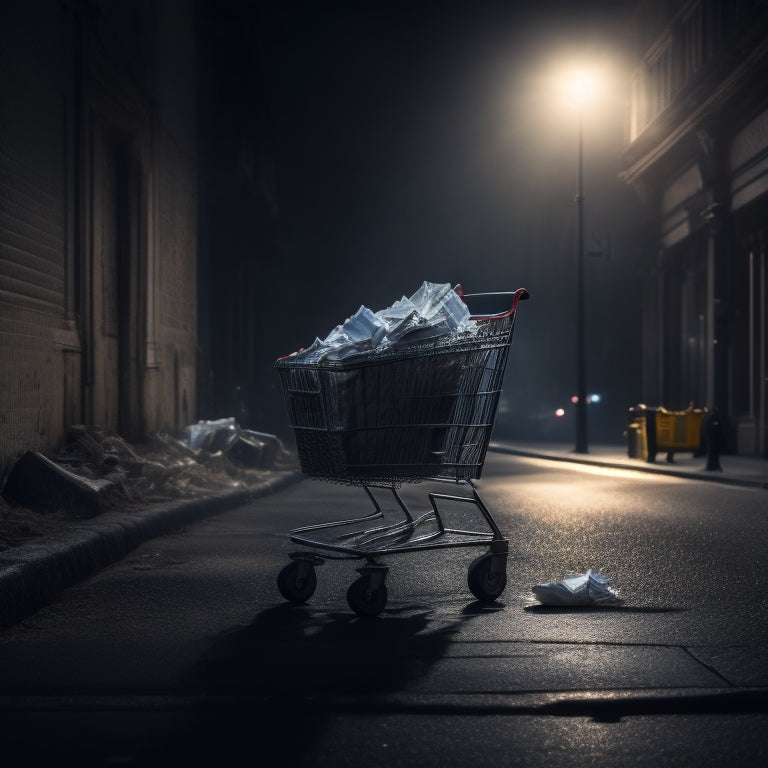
(581, 88)
(560, 412)
(580, 83)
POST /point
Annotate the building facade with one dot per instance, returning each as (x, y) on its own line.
(98, 219)
(697, 154)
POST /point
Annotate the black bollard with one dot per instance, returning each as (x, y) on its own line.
(714, 430)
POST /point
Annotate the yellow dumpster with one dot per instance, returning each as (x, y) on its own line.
(651, 430)
(678, 430)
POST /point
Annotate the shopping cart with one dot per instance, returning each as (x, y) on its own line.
(418, 411)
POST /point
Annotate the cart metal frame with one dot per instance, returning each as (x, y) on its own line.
(356, 539)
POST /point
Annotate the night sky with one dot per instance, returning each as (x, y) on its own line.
(367, 146)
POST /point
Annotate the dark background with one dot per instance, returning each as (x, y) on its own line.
(353, 150)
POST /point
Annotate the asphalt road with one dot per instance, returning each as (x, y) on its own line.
(185, 653)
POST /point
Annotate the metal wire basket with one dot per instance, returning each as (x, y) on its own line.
(424, 410)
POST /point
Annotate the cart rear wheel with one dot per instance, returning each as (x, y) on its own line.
(297, 581)
(485, 584)
(365, 601)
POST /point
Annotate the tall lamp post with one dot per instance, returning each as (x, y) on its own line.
(581, 89)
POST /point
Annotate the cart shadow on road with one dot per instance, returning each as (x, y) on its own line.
(294, 651)
(280, 681)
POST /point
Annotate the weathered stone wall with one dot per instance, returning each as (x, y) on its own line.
(173, 392)
(34, 230)
(98, 219)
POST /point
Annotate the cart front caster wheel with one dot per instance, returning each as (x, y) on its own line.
(297, 581)
(484, 583)
(365, 601)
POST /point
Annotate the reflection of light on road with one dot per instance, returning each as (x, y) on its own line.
(547, 488)
(612, 472)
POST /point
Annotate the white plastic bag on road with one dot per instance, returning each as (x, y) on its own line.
(577, 589)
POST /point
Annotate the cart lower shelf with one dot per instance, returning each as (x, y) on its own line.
(369, 538)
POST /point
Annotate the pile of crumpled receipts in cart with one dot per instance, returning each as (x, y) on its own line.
(434, 310)
(577, 589)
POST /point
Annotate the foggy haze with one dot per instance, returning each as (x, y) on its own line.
(365, 147)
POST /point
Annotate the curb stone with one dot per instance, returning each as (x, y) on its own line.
(35, 574)
(688, 474)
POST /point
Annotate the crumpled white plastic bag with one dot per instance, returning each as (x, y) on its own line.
(577, 589)
(434, 310)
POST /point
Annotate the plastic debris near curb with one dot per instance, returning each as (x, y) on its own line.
(577, 589)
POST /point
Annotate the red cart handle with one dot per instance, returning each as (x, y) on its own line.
(521, 294)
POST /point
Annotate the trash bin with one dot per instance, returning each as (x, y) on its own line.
(651, 430)
(637, 434)
(678, 431)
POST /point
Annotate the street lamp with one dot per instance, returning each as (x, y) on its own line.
(581, 89)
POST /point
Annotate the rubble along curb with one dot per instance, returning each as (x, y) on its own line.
(35, 574)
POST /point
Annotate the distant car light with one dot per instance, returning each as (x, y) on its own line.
(560, 412)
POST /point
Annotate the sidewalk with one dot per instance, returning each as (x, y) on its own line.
(37, 572)
(734, 470)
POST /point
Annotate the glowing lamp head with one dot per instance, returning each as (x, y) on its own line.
(581, 88)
